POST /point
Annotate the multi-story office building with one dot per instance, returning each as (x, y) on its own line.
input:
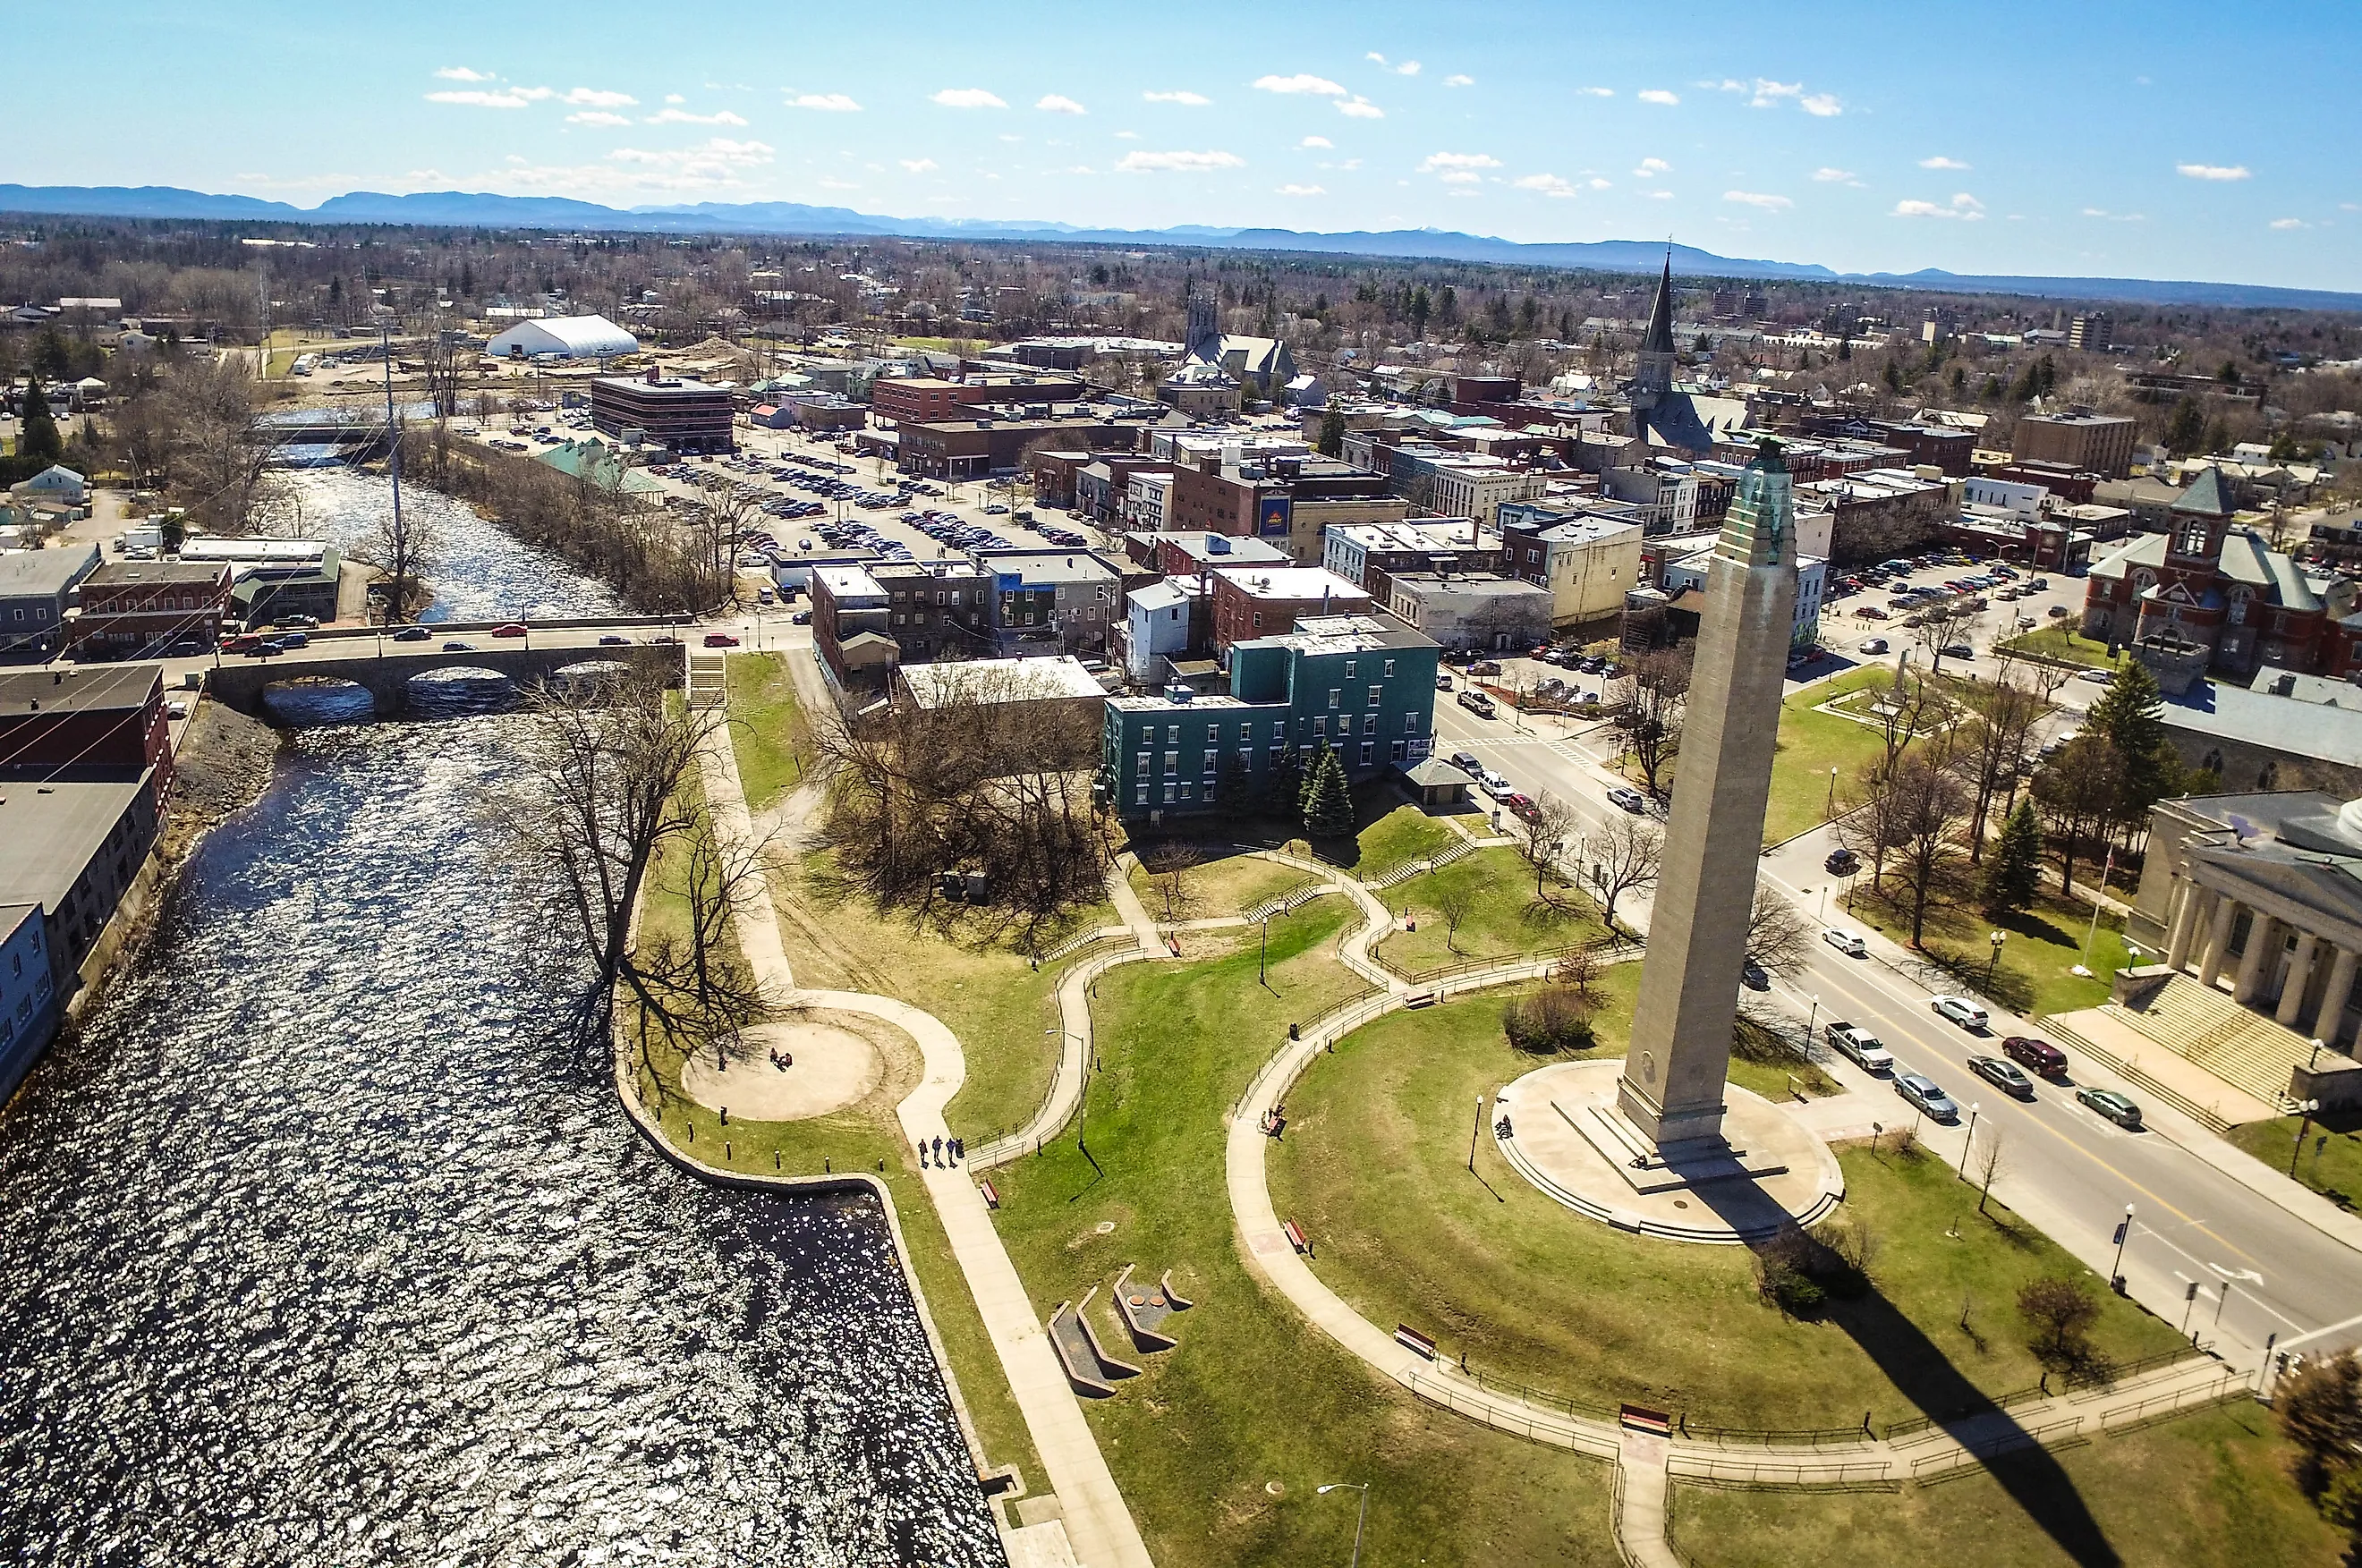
(673, 412)
(2102, 442)
(150, 607)
(1588, 558)
(1362, 684)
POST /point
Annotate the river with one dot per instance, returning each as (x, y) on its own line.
(314, 1250)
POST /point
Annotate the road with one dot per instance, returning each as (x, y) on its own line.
(2065, 1170)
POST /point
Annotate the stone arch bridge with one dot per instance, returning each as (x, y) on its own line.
(386, 668)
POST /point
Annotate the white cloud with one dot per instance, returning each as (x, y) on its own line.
(461, 73)
(2212, 171)
(501, 98)
(2115, 217)
(1315, 142)
(675, 98)
(715, 165)
(920, 165)
(1127, 136)
(1758, 199)
(1822, 106)
(1302, 82)
(2290, 223)
(831, 184)
(598, 117)
(1659, 95)
(1361, 108)
(1152, 162)
(1548, 184)
(1596, 91)
(683, 117)
(1436, 160)
(1059, 103)
(1834, 176)
(1181, 95)
(1408, 68)
(1598, 184)
(1768, 94)
(1456, 79)
(1660, 195)
(1651, 167)
(597, 98)
(968, 98)
(1460, 177)
(1940, 161)
(716, 152)
(1302, 191)
(1963, 206)
(827, 103)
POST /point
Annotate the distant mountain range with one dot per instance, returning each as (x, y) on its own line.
(463, 209)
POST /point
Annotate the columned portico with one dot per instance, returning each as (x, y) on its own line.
(2293, 989)
(2218, 938)
(2331, 1015)
(2263, 935)
(2188, 897)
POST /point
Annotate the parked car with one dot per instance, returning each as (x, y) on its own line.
(292, 640)
(1841, 863)
(1958, 651)
(2115, 1107)
(801, 618)
(720, 640)
(1477, 703)
(2037, 1055)
(1960, 1010)
(245, 642)
(413, 634)
(1849, 943)
(514, 629)
(1874, 645)
(2003, 1074)
(612, 640)
(1442, 683)
(1467, 763)
(455, 646)
(1628, 798)
(2098, 677)
(1927, 1094)
(1861, 1046)
(1751, 975)
(1521, 807)
(1495, 784)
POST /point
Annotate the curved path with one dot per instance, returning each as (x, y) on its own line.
(1646, 1464)
(1098, 1523)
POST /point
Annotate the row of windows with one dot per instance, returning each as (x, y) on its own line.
(1202, 787)
(1213, 733)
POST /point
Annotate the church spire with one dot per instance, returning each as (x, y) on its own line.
(1659, 338)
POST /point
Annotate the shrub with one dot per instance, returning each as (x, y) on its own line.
(1798, 1271)
(1555, 1018)
(2060, 1310)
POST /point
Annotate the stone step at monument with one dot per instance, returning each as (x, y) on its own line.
(2242, 1048)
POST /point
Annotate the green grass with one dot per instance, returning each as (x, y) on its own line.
(2067, 646)
(2330, 1162)
(2206, 1491)
(2039, 950)
(767, 730)
(1391, 837)
(1221, 885)
(1810, 744)
(1254, 1396)
(1504, 918)
(1373, 1166)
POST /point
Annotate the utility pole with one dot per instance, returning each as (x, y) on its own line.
(1476, 1129)
(393, 605)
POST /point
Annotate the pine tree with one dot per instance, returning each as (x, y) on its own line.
(1332, 432)
(1328, 801)
(2013, 871)
(2186, 429)
(37, 435)
(2130, 717)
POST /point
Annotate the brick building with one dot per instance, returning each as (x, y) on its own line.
(673, 412)
(103, 722)
(1285, 500)
(1259, 601)
(150, 607)
(2102, 442)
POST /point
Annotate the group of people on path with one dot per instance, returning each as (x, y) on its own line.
(948, 1152)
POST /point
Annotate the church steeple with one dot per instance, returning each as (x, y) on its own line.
(1659, 338)
(1654, 377)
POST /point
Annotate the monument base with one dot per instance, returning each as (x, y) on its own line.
(1568, 1134)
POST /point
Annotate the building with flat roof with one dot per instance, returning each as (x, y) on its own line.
(37, 588)
(29, 993)
(73, 850)
(1588, 556)
(1282, 498)
(1362, 684)
(1048, 601)
(86, 723)
(674, 411)
(1060, 680)
(1369, 553)
(850, 629)
(147, 609)
(1480, 610)
(1248, 602)
(2102, 442)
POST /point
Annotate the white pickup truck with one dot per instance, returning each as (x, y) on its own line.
(1862, 1046)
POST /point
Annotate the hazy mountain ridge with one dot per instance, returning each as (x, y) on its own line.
(475, 209)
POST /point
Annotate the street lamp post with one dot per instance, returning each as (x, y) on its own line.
(1814, 1018)
(1475, 1128)
(1830, 815)
(1994, 963)
(1359, 1517)
(2106, 866)
(2124, 1234)
(2304, 1128)
(1971, 1141)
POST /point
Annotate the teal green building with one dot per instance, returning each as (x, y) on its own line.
(1362, 684)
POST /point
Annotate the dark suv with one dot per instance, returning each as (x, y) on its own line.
(1841, 863)
(2035, 1056)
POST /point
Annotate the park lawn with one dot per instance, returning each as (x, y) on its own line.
(868, 1137)
(2331, 1161)
(1220, 885)
(1393, 835)
(767, 732)
(2067, 646)
(1810, 744)
(1374, 1167)
(1504, 918)
(2208, 1490)
(2040, 949)
(1218, 1445)
(1004, 1011)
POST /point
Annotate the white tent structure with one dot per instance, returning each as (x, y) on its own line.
(576, 337)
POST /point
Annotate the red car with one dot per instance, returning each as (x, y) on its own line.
(245, 642)
(720, 640)
(1521, 805)
(514, 629)
(1870, 612)
(2040, 1056)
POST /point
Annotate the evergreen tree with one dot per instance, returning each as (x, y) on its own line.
(37, 435)
(2013, 871)
(1283, 784)
(2130, 717)
(1328, 803)
(1845, 348)
(2186, 429)
(1332, 432)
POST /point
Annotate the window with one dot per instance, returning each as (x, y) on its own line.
(1142, 762)
(1168, 794)
(1411, 722)
(1320, 724)
(1279, 731)
(1173, 735)
(1333, 695)
(1369, 752)
(1213, 757)
(1172, 763)
(1349, 668)
(1390, 669)
(1246, 759)
(1139, 794)
(1258, 620)
(1395, 751)
(1375, 694)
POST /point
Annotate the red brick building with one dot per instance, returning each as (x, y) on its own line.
(1266, 601)
(146, 608)
(920, 399)
(86, 724)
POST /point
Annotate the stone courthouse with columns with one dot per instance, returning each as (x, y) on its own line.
(2263, 894)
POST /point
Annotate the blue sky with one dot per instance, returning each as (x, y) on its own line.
(2163, 139)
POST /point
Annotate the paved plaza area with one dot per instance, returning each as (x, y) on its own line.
(787, 1072)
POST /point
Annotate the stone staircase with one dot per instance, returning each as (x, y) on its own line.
(2238, 1045)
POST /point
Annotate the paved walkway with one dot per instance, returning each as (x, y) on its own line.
(1646, 1468)
(1097, 1522)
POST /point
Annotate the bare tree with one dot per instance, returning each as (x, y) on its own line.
(1998, 742)
(1988, 1162)
(403, 543)
(2077, 792)
(1909, 708)
(1779, 936)
(1453, 900)
(1651, 702)
(1625, 857)
(605, 791)
(1543, 835)
(1942, 623)
(1871, 826)
(1169, 865)
(1931, 810)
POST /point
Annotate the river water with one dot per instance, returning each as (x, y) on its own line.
(313, 1251)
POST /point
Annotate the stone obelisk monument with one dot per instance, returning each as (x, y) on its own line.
(1671, 1091)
